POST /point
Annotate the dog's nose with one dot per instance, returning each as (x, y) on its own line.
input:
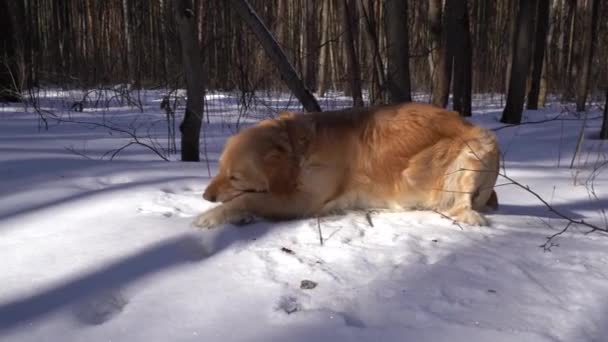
(209, 197)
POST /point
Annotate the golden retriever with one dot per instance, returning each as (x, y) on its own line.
(407, 156)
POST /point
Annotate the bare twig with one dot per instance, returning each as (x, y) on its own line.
(555, 118)
(571, 221)
(320, 232)
(368, 217)
(550, 239)
(454, 222)
(135, 140)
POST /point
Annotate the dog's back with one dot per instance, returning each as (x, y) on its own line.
(410, 155)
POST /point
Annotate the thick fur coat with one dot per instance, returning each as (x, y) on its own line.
(408, 156)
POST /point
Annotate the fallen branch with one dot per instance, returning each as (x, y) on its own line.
(135, 140)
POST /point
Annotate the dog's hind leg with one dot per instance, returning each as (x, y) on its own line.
(470, 179)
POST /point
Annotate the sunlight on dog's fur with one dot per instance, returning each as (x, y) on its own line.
(409, 156)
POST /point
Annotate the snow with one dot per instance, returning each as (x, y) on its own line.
(94, 249)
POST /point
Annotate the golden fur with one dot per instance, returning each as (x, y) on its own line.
(408, 156)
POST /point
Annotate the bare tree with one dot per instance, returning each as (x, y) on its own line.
(440, 68)
(349, 15)
(522, 52)
(191, 60)
(323, 70)
(589, 27)
(398, 68)
(12, 55)
(129, 43)
(274, 51)
(460, 45)
(604, 131)
(540, 42)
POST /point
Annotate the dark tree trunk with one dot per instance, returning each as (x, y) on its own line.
(542, 21)
(440, 68)
(589, 25)
(398, 66)
(274, 51)
(312, 44)
(522, 53)
(604, 131)
(349, 15)
(460, 40)
(324, 52)
(11, 51)
(195, 87)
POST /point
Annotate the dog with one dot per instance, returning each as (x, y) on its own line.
(397, 157)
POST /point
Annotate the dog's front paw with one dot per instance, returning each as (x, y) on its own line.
(209, 219)
(221, 215)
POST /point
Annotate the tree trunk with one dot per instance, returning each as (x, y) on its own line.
(589, 17)
(378, 82)
(353, 71)
(440, 69)
(274, 51)
(522, 52)
(324, 53)
(12, 51)
(542, 21)
(129, 43)
(312, 44)
(460, 41)
(195, 87)
(604, 131)
(398, 66)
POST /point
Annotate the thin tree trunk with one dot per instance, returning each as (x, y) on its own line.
(544, 86)
(589, 17)
(274, 51)
(571, 54)
(378, 80)
(354, 73)
(11, 57)
(512, 34)
(522, 52)
(440, 70)
(542, 21)
(195, 87)
(129, 42)
(604, 131)
(460, 41)
(324, 53)
(312, 44)
(398, 66)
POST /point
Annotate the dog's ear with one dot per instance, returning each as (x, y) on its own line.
(300, 129)
(281, 171)
(286, 114)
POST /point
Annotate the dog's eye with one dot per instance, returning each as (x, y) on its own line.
(232, 178)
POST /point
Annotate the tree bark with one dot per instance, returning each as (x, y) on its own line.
(378, 82)
(460, 41)
(353, 70)
(440, 68)
(13, 66)
(324, 53)
(589, 17)
(604, 131)
(542, 21)
(274, 51)
(190, 127)
(312, 44)
(398, 66)
(522, 52)
(129, 43)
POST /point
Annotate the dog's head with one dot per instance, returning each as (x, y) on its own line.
(262, 158)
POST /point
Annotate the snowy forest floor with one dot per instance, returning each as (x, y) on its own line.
(95, 248)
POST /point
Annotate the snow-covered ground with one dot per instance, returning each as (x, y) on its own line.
(93, 249)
